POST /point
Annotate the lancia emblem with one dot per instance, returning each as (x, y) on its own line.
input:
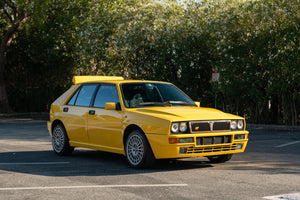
(211, 124)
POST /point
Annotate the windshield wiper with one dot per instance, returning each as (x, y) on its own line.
(153, 103)
(180, 102)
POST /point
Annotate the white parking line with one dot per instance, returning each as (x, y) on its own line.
(93, 186)
(287, 144)
(37, 163)
(294, 196)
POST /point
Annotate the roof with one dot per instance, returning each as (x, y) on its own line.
(112, 79)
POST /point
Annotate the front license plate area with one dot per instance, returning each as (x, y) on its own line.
(213, 140)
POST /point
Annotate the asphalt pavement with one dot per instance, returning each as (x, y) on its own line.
(268, 169)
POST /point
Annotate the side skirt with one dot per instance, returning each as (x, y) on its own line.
(97, 147)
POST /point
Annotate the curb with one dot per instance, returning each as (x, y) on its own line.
(32, 115)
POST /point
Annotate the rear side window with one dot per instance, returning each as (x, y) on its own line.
(106, 94)
(84, 96)
(73, 99)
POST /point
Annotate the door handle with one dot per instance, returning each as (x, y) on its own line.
(91, 112)
(66, 109)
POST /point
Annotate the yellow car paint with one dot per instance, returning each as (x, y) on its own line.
(105, 129)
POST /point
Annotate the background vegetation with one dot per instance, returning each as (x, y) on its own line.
(254, 44)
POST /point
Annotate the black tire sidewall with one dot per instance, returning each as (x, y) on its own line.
(220, 158)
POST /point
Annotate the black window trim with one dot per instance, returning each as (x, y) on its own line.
(79, 89)
(91, 105)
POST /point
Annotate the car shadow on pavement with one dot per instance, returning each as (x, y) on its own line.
(85, 163)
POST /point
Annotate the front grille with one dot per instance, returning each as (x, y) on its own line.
(220, 126)
(208, 149)
(200, 127)
(223, 139)
(210, 126)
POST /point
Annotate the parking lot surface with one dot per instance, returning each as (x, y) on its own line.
(268, 169)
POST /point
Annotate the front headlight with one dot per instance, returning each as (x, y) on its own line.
(237, 125)
(240, 124)
(179, 127)
(183, 127)
(233, 125)
(175, 127)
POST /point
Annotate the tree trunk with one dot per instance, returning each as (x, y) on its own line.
(4, 104)
(293, 111)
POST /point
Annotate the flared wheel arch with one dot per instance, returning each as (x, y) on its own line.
(128, 130)
(54, 123)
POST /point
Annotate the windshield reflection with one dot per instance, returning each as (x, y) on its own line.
(150, 94)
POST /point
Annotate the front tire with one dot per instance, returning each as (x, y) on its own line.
(220, 158)
(60, 141)
(138, 151)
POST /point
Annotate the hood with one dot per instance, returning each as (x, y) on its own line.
(186, 113)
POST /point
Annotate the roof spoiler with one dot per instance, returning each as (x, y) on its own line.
(84, 79)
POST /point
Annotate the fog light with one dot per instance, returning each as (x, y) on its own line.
(186, 140)
(183, 150)
(239, 137)
(239, 146)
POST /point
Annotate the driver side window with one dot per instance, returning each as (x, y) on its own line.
(106, 94)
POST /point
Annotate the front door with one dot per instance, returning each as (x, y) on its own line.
(105, 126)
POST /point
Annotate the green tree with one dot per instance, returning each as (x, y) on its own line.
(256, 46)
(17, 13)
(43, 54)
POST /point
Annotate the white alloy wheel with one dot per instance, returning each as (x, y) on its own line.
(60, 141)
(135, 149)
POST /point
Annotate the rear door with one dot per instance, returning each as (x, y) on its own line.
(76, 112)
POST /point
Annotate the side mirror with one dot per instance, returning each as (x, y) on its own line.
(197, 103)
(110, 106)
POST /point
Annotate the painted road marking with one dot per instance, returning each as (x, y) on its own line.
(37, 163)
(294, 196)
(287, 144)
(93, 186)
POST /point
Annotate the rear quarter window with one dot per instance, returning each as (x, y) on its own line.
(73, 98)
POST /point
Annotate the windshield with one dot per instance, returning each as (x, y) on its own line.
(137, 95)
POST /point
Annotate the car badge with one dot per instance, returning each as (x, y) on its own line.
(211, 124)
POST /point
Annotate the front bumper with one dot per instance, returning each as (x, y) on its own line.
(216, 143)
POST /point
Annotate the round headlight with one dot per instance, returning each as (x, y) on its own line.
(183, 127)
(240, 124)
(233, 125)
(175, 127)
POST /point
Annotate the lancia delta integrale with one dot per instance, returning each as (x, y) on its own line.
(143, 120)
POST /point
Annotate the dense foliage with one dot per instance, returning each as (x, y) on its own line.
(253, 44)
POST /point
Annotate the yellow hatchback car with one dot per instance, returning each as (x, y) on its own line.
(143, 120)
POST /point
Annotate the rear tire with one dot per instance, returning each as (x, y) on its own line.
(220, 158)
(60, 141)
(138, 151)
